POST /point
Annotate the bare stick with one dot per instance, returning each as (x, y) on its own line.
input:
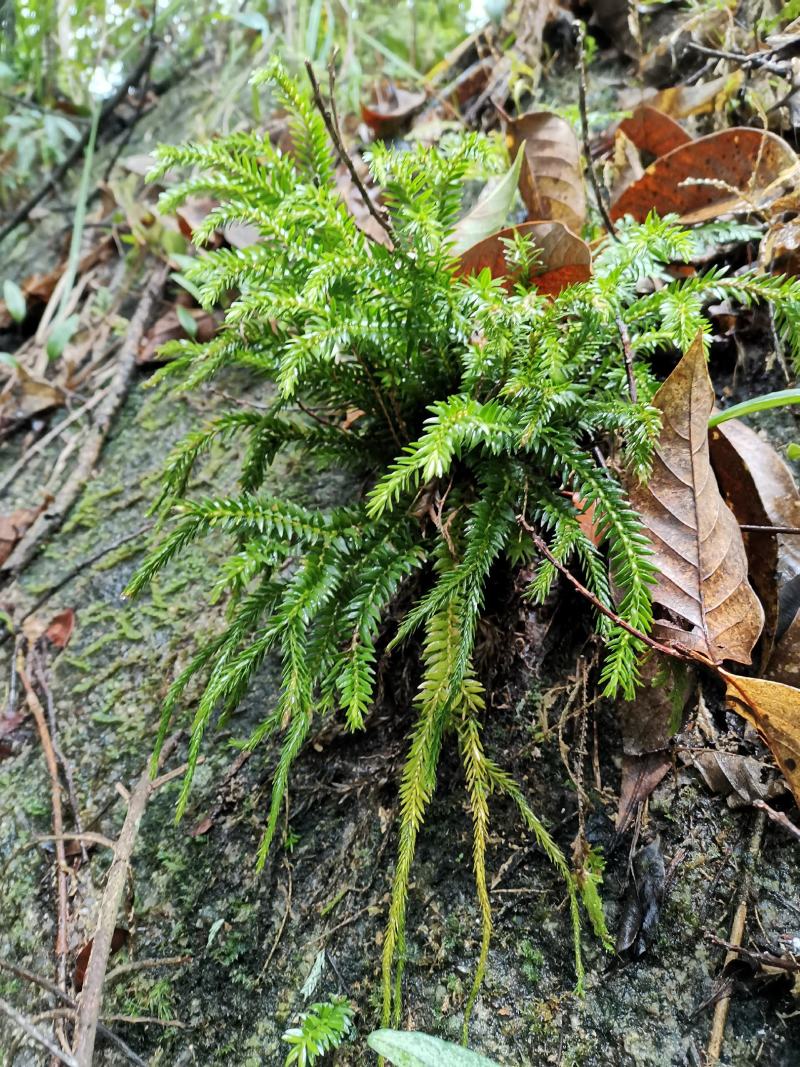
(599, 605)
(598, 192)
(771, 529)
(627, 351)
(36, 1034)
(142, 965)
(58, 821)
(779, 818)
(92, 995)
(51, 519)
(737, 933)
(51, 987)
(344, 155)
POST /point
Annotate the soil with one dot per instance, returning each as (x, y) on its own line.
(259, 947)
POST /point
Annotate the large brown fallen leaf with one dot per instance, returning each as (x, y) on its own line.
(564, 259)
(653, 131)
(760, 490)
(697, 544)
(551, 182)
(774, 710)
(739, 169)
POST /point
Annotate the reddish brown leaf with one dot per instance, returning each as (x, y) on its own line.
(774, 710)
(60, 627)
(551, 182)
(388, 117)
(654, 132)
(699, 552)
(118, 940)
(564, 258)
(640, 776)
(737, 169)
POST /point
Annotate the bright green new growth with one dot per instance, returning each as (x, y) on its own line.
(323, 1027)
(471, 408)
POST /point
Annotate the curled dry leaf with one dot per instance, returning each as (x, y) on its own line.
(739, 169)
(760, 490)
(698, 547)
(564, 259)
(623, 167)
(12, 527)
(388, 117)
(59, 629)
(118, 939)
(640, 776)
(742, 779)
(25, 395)
(774, 710)
(551, 182)
(654, 132)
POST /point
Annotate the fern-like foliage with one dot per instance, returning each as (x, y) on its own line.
(470, 413)
(323, 1027)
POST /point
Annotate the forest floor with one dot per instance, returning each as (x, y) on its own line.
(251, 950)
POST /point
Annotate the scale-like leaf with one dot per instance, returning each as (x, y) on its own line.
(696, 540)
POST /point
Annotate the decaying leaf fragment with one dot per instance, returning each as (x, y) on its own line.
(774, 710)
(653, 131)
(696, 540)
(551, 182)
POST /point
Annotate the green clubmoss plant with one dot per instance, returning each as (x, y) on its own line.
(463, 407)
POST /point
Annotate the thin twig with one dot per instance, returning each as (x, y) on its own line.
(779, 818)
(598, 604)
(763, 958)
(722, 1007)
(141, 965)
(36, 1034)
(598, 192)
(58, 820)
(287, 911)
(41, 677)
(344, 156)
(92, 993)
(50, 987)
(770, 529)
(755, 59)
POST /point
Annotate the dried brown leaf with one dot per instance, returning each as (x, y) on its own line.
(698, 547)
(12, 527)
(774, 710)
(551, 182)
(739, 169)
(653, 131)
(759, 488)
(59, 629)
(564, 259)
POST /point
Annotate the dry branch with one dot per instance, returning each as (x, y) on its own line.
(92, 995)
